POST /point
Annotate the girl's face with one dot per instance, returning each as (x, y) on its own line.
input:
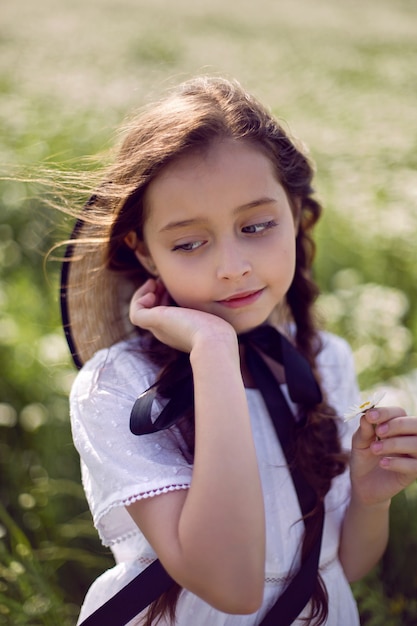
(221, 234)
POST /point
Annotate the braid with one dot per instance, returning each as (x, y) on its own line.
(320, 433)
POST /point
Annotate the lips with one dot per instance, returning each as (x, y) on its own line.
(241, 299)
(239, 296)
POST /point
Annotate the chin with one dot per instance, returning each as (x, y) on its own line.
(245, 327)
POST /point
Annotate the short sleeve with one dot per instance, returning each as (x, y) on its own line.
(118, 467)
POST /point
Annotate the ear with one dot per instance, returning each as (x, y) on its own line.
(131, 240)
(144, 257)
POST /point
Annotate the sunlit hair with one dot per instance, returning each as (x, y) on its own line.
(199, 112)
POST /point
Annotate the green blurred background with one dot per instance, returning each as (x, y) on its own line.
(342, 74)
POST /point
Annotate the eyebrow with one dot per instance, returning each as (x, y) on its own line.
(198, 220)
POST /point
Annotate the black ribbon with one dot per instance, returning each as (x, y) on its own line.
(304, 390)
(127, 603)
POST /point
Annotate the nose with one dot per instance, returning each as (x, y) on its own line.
(232, 263)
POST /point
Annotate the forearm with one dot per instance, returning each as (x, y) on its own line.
(364, 537)
(211, 539)
(221, 531)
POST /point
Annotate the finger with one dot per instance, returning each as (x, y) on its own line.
(395, 446)
(146, 301)
(163, 296)
(381, 414)
(143, 298)
(402, 425)
(401, 465)
(148, 285)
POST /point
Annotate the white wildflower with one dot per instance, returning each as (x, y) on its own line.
(359, 409)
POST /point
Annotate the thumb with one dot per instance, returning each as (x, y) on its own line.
(365, 434)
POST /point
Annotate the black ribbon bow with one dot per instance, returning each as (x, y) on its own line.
(302, 386)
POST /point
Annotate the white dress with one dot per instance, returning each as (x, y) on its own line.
(119, 468)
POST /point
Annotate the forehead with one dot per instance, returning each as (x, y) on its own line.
(223, 166)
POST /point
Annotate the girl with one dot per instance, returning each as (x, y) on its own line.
(195, 250)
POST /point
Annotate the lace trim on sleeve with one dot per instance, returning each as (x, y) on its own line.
(130, 500)
(153, 492)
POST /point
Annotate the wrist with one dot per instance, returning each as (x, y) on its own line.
(220, 348)
(381, 506)
(223, 339)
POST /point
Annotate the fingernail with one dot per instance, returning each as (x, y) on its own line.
(382, 429)
(373, 415)
(376, 446)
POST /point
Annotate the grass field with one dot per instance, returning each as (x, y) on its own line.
(342, 74)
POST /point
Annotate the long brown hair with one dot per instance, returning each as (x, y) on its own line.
(191, 118)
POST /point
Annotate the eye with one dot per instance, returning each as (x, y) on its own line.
(255, 229)
(189, 246)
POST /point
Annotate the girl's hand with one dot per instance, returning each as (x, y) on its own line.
(177, 327)
(384, 454)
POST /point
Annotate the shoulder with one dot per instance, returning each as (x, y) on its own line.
(337, 370)
(121, 369)
(334, 351)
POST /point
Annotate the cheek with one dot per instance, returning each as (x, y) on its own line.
(282, 255)
(292, 256)
(291, 263)
(290, 248)
(282, 268)
(185, 290)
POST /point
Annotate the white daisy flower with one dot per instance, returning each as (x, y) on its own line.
(359, 409)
